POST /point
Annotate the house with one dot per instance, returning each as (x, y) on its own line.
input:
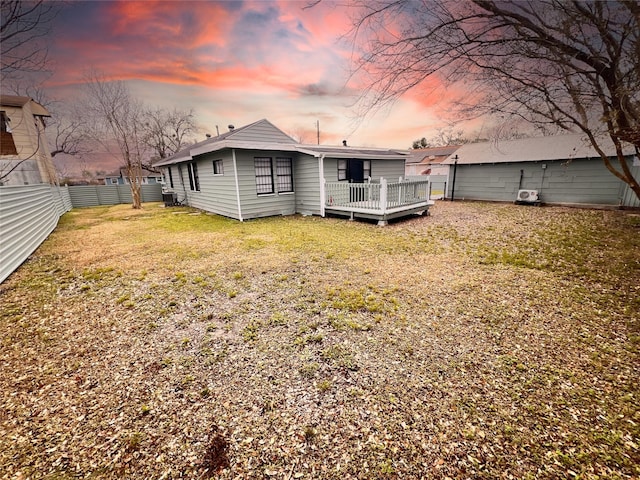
(258, 170)
(25, 157)
(562, 169)
(429, 162)
(119, 177)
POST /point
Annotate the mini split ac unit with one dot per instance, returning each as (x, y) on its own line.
(528, 196)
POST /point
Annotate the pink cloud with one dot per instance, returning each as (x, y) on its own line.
(176, 23)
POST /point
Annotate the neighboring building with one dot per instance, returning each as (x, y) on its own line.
(258, 170)
(25, 157)
(428, 161)
(562, 169)
(119, 177)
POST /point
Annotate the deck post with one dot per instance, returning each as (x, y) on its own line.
(383, 194)
(383, 201)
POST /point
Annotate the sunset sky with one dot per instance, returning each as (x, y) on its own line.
(233, 62)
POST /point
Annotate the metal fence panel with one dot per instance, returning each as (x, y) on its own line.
(108, 195)
(84, 196)
(95, 195)
(28, 214)
(152, 193)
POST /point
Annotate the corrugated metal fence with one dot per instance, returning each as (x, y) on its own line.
(94, 195)
(28, 214)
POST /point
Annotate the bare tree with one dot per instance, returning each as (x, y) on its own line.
(299, 134)
(69, 137)
(24, 26)
(446, 135)
(117, 119)
(449, 135)
(570, 64)
(169, 131)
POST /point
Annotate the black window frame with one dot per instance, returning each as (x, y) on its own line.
(218, 167)
(284, 174)
(194, 180)
(264, 175)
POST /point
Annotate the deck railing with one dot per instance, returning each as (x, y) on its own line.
(379, 197)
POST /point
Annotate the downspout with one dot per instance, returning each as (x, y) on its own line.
(544, 169)
(520, 181)
(184, 187)
(235, 173)
(453, 184)
(322, 186)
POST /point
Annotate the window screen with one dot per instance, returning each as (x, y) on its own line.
(284, 171)
(264, 175)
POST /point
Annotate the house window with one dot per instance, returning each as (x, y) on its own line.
(4, 122)
(114, 181)
(145, 181)
(350, 169)
(342, 169)
(170, 177)
(264, 175)
(7, 145)
(158, 179)
(194, 181)
(366, 166)
(217, 167)
(284, 173)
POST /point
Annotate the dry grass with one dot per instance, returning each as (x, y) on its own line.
(485, 341)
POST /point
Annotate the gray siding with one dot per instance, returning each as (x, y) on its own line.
(330, 170)
(28, 214)
(262, 132)
(579, 181)
(217, 192)
(391, 170)
(307, 184)
(254, 205)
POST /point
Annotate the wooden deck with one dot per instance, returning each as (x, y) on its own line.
(379, 201)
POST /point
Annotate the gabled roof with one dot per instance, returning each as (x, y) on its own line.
(19, 101)
(254, 137)
(536, 149)
(216, 143)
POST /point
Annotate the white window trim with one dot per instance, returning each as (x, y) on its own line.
(221, 168)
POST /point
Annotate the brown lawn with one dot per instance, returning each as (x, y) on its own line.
(485, 341)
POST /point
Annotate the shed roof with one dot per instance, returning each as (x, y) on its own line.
(536, 149)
